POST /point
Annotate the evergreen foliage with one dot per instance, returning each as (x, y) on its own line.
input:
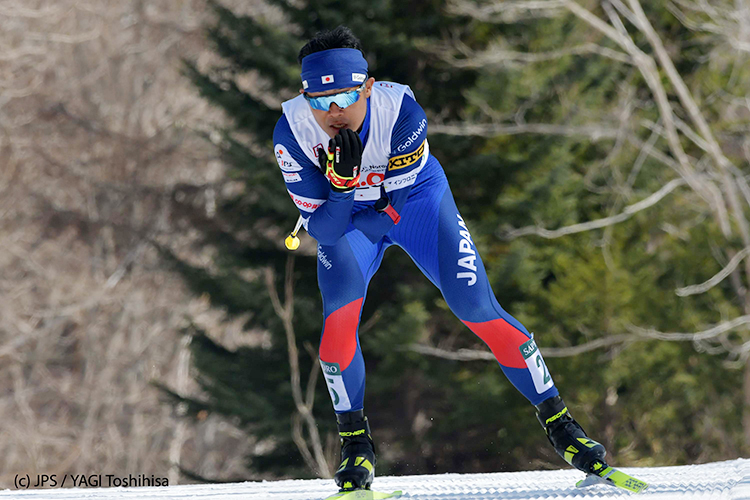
(649, 402)
(247, 230)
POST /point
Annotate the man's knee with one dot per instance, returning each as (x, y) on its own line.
(469, 303)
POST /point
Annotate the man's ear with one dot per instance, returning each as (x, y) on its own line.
(368, 86)
(301, 91)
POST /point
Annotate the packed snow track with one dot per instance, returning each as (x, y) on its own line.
(720, 480)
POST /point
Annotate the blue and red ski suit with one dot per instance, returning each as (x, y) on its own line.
(352, 238)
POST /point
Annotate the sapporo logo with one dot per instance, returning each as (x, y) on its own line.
(528, 349)
(405, 160)
(330, 368)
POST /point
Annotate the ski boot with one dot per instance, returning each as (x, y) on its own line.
(357, 469)
(568, 437)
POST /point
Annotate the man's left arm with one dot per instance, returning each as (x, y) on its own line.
(409, 153)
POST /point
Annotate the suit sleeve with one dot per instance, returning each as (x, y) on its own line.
(326, 213)
(409, 153)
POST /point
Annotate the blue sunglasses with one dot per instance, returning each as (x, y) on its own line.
(342, 99)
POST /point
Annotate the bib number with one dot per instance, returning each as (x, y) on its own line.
(336, 387)
(535, 363)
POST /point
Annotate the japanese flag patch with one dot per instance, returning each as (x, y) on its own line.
(326, 79)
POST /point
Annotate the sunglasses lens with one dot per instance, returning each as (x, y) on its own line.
(342, 100)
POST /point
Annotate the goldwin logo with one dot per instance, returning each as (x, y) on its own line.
(414, 136)
(464, 246)
(323, 258)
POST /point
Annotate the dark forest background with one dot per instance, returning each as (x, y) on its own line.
(575, 118)
(153, 322)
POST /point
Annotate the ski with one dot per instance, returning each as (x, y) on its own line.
(363, 495)
(601, 473)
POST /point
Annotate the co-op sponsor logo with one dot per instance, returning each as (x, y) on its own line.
(414, 136)
(309, 205)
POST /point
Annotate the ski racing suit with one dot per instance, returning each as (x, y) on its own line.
(352, 237)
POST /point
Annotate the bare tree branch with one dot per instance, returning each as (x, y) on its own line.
(63, 38)
(682, 122)
(594, 132)
(315, 458)
(313, 377)
(627, 213)
(182, 386)
(637, 335)
(648, 69)
(729, 23)
(709, 333)
(459, 355)
(614, 18)
(497, 56)
(644, 152)
(92, 154)
(599, 25)
(688, 102)
(624, 11)
(717, 278)
(549, 352)
(507, 11)
(18, 10)
(299, 440)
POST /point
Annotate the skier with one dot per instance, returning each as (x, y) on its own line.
(355, 158)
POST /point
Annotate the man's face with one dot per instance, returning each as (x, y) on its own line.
(336, 118)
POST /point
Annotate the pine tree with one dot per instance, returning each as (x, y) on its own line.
(421, 407)
(251, 386)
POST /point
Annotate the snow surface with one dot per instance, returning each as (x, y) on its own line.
(720, 480)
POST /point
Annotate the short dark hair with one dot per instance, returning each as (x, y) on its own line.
(340, 37)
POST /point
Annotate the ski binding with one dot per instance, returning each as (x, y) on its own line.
(601, 473)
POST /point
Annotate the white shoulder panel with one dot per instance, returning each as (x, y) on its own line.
(385, 104)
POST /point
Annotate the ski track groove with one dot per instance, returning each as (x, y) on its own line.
(728, 480)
